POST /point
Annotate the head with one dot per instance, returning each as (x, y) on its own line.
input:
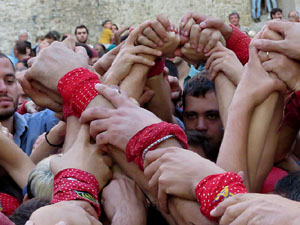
(107, 24)
(100, 49)
(276, 13)
(8, 88)
(40, 180)
(289, 186)
(81, 33)
(201, 109)
(23, 35)
(20, 49)
(24, 211)
(51, 37)
(293, 16)
(114, 28)
(234, 18)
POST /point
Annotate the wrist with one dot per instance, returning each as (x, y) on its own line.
(227, 31)
(53, 140)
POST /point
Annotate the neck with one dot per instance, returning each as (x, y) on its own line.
(9, 124)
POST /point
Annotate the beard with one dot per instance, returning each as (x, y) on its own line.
(6, 113)
(209, 146)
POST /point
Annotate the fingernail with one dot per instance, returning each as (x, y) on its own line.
(212, 212)
(29, 223)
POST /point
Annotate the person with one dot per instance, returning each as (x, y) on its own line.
(107, 34)
(234, 19)
(52, 36)
(271, 6)
(201, 109)
(255, 10)
(293, 16)
(20, 51)
(276, 13)
(81, 34)
(25, 128)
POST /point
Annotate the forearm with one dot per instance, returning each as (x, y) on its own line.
(160, 104)
(233, 150)
(224, 90)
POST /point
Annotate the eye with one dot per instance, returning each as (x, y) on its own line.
(10, 80)
(212, 116)
(191, 116)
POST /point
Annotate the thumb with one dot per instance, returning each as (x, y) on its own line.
(69, 42)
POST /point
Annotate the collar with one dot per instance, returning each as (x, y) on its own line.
(20, 124)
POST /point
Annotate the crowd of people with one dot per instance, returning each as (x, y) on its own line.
(194, 123)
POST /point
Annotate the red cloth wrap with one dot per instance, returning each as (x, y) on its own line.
(8, 204)
(239, 43)
(147, 136)
(213, 189)
(77, 88)
(291, 113)
(22, 110)
(158, 68)
(75, 184)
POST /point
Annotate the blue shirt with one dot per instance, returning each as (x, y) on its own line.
(29, 126)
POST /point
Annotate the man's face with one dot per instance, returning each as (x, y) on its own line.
(293, 17)
(81, 35)
(202, 114)
(277, 15)
(234, 20)
(8, 90)
(23, 37)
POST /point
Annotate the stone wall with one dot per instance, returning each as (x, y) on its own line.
(41, 16)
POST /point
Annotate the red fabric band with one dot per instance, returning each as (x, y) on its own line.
(8, 204)
(147, 136)
(213, 189)
(158, 68)
(77, 89)
(239, 43)
(291, 114)
(72, 184)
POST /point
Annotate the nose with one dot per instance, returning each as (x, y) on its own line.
(3, 87)
(201, 124)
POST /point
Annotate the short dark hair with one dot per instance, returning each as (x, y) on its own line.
(51, 35)
(233, 13)
(24, 211)
(80, 27)
(198, 86)
(104, 22)
(20, 46)
(274, 11)
(5, 56)
(289, 186)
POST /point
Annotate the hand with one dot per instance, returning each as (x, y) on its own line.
(225, 60)
(175, 87)
(256, 84)
(70, 212)
(4, 132)
(257, 209)
(289, 46)
(41, 95)
(176, 172)
(286, 69)
(84, 156)
(104, 63)
(128, 56)
(31, 107)
(55, 61)
(116, 126)
(121, 198)
(205, 22)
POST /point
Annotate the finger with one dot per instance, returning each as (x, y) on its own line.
(277, 26)
(95, 113)
(211, 23)
(138, 59)
(187, 28)
(234, 214)
(215, 67)
(98, 126)
(268, 66)
(203, 40)
(194, 35)
(163, 199)
(164, 20)
(215, 72)
(146, 97)
(152, 156)
(160, 30)
(81, 50)
(102, 138)
(270, 46)
(253, 55)
(152, 35)
(265, 56)
(54, 96)
(197, 17)
(112, 95)
(145, 50)
(143, 40)
(70, 43)
(213, 57)
(212, 42)
(151, 169)
(138, 30)
(31, 61)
